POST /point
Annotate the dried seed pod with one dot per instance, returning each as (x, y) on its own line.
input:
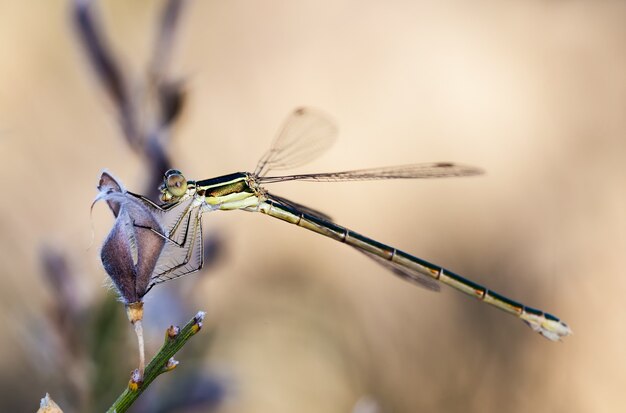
(132, 248)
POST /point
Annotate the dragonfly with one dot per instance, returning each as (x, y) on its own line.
(306, 134)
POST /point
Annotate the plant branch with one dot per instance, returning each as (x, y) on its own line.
(175, 339)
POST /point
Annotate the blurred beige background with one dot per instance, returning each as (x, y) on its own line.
(533, 92)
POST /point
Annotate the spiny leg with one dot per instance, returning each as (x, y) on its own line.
(168, 238)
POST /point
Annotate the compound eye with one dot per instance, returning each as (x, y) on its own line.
(175, 183)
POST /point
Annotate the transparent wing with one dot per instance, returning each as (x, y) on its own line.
(305, 135)
(414, 277)
(172, 216)
(403, 272)
(183, 252)
(421, 171)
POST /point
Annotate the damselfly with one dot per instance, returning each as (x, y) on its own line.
(306, 134)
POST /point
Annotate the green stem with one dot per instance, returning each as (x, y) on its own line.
(159, 364)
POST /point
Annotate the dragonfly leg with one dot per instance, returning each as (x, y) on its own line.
(165, 237)
(156, 232)
(183, 257)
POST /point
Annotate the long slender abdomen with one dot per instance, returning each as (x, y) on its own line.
(546, 324)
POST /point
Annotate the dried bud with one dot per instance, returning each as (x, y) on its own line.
(136, 380)
(132, 248)
(170, 365)
(172, 332)
(47, 405)
(198, 319)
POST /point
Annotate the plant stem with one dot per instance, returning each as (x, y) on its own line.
(142, 355)
(174, 341)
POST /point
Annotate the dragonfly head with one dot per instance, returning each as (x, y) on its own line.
(174, 186)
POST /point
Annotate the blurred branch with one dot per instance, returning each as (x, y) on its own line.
(163, 362)
(106, 67)
(66, 310)
(166, 93)
(146, 119)
(164, 43)
(66, 315)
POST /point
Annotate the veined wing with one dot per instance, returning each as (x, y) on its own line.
(183, 253)
(414, 171)
(305, 134)
(408, 274)
(402, 271)
(169, 215)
